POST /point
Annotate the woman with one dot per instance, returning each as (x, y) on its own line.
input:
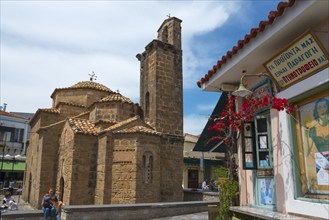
(319, 133)
(47, 204)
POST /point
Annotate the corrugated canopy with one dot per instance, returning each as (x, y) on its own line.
(12, 166)
(205, 143)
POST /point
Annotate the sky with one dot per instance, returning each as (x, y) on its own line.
(55, 44)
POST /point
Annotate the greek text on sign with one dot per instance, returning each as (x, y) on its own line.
(303, 58)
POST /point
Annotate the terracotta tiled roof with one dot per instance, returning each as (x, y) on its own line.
(82, 126)
(90, 85)
(137, 129)
(116, 97)
(122, 123)
(86, 85)
(110, 121)
(70, 104)
(253, 34)
(8, 114)
(49, 110)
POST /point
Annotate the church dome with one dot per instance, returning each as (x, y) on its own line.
(90, 85)
(84, 85)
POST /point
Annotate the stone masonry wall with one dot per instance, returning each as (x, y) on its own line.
(84, 165)
(117, 212)
(116, 111)
(169, 95)
(70, 111)
(171, 168)
(124, 170)
(32, 164)
(65, 161)
(103, 189)
(41, 162)
(172, 29)
(148, 191)
(78, 96)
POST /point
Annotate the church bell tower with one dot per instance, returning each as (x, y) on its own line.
(161, 83)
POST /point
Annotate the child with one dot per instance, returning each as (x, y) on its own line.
(8, 202)
(58, 205)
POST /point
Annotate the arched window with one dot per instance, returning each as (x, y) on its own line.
(61, 186)
(147, 104)
(165, 35)
(147, 167)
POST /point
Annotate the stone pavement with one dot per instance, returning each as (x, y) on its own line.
(195, 216)
(22, 205)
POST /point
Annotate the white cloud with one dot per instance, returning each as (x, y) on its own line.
(54, 44)
(206, 107)
(194, 123)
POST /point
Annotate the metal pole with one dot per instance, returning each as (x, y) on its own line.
(2, 164)
(12, 168)
(1, 172)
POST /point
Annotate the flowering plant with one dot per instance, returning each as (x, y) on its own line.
(229, 123)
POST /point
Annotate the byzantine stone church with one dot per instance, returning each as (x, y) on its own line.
(95, 146)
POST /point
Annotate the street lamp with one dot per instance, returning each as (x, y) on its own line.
(2, 175)
(17, 157)
(8, 157)
(242, 90)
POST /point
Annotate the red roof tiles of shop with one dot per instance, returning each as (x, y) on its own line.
(8, 114)
(253, 33)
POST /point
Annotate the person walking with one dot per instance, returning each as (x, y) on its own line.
(11, 186)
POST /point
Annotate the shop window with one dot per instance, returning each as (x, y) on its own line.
(312, 130)
(257, 148)
(249, 155)
(266, 191)
(263, 142)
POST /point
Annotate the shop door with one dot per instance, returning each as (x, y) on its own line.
(193, 179)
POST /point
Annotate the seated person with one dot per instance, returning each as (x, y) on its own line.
(213, 185)
(48, 205)
(204, 185)
(8, 202)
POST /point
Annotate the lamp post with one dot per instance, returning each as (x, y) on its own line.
(16, 158)
(242, 90)
(2, 176)
(8, 157)
(4, 150)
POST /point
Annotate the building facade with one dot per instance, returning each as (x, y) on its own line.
(198, 165)
(95, 146)
(283, 158)
(13, 139)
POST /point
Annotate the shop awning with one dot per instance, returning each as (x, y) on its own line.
(17, 166)
(207, 162)
(205, 143)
